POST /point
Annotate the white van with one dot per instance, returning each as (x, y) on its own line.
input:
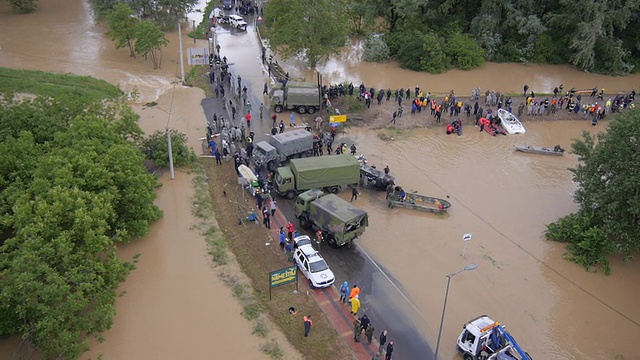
(238, 22)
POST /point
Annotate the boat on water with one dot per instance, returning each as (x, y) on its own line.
(490, 128)
(510, 122)
(555, 151)
(398, 198)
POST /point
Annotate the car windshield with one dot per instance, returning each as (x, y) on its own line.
(318, 266)
(303, 241)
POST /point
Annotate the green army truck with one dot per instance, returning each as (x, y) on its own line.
(341, 223)
(301, 96)
(319, 172)
(279, 148)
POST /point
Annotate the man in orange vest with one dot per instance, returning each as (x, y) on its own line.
(308, 324)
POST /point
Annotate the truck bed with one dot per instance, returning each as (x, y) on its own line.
(324, 171)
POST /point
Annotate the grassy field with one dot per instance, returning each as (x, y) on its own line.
(14, 81)
(247, 242)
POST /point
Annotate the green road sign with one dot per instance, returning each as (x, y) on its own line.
(283, 277)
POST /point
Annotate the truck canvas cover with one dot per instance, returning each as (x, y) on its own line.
(316, 172)
(337, 215)
(292, 142)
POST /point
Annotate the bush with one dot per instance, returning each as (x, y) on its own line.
(433, 58)
(375, 49)
(464, 52)
(156, 149)
(588, 244)
(546, 50)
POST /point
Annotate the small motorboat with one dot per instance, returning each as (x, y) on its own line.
(510, 122)
(555, 151)
(454, 127)
(396, 197)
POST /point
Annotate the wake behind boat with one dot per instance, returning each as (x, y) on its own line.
(556, 151)
(510, 122)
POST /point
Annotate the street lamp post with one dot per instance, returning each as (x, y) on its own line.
(444, 307)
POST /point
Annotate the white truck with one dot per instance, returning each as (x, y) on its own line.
(485, 339)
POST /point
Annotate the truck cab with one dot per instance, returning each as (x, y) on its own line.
(285, 183)
(304, 200)
(265, 154)
(485, 339)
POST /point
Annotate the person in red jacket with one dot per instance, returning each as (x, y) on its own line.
(290, 231)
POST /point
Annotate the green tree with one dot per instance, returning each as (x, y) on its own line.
(149, 42)
(375, 49)
(463, 52)
(23, 6)
(433, 58)
(156, 149)
(72, 184)
(608, 194)
(314, 31)
(122, 27)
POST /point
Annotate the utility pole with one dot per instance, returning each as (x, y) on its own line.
(170, 154)
(181, 60)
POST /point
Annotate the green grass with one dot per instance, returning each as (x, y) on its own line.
(13, 81)
(251, 311)
(272, 349)
(260, 328)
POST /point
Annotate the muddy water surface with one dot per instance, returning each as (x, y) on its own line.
(504, 199)
(553, 307)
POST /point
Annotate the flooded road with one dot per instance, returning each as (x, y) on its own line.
(554, 308)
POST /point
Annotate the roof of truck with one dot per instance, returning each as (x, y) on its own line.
(323, 162)
(292, 135)
(302, 84)
(339, 208)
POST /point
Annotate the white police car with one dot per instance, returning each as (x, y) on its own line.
(311, 263)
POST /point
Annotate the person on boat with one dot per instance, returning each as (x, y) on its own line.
(403, 195)
(558, 148)
(386, 170)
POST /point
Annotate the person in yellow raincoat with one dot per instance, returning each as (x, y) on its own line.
(355, 305)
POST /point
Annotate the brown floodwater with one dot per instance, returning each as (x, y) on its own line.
(553, 307)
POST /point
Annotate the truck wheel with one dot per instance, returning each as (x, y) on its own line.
(302, 109)
(311, 110)
(467, 357)
(304, 223)
(331, 240)
(290, 195)
(334, 189)
(278, 109)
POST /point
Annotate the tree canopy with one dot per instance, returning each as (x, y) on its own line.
(72, 185)
(23, 6)
(608, 178)
(594, 35)
(164, 13)
(312, 30)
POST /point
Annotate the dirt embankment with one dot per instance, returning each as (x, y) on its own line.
(379, 116)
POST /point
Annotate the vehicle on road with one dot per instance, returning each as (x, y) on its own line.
(311, 264)
(227, 4)
(485, 339)
(279, 148)
(318, 172)
(301, 96)
(237, 22)
(339, 221)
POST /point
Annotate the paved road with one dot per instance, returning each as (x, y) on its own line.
(383, 298)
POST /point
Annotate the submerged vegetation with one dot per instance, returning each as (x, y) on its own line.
(437, 35)
(607, 175)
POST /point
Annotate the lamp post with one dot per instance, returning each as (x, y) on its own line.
(446, 296)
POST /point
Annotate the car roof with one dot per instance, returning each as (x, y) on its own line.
(236, 17)
(310, 252)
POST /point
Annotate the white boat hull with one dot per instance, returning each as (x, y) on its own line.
(510, 122)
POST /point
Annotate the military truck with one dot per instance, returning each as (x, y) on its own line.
(319, 172)
(282, 147)
(340, 222)
(302, 96)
